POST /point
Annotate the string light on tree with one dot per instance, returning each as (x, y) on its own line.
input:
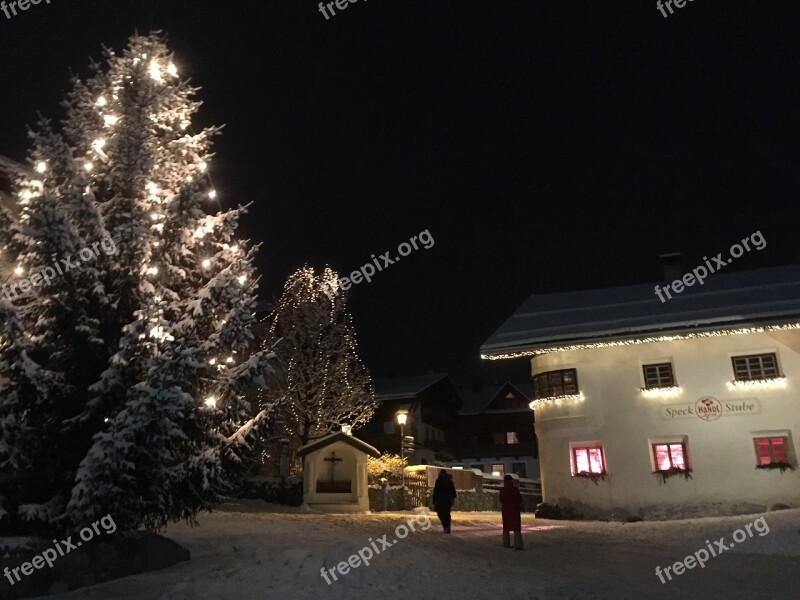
(155, 71)
(159, 302)
(321, 383)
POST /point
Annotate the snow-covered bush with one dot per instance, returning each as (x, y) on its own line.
(386, 465)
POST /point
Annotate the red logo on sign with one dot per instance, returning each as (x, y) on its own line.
(708, 408)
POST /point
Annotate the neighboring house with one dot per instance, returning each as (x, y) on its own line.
(495, 431)
(432, 403)
(651, 409)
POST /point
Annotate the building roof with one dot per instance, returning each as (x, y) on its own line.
(406, 387)
(475, 402)
(339, 436)
(725, 301)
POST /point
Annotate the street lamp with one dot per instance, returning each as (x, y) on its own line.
(402, 417)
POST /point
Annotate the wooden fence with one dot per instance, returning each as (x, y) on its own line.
(462, 479)
(417, 491)
(469, 479)
(526, 486)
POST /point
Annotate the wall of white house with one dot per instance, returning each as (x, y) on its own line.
(617, 415)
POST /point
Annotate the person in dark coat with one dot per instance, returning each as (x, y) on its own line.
(511, 504)
(444, 494)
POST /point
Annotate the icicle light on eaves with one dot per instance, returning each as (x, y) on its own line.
(643, 340)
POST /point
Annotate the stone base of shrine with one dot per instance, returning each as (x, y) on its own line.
(343, 503)
(338, 508)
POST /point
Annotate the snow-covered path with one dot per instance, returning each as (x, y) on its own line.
(244, 552)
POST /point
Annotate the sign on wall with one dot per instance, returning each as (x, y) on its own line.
(709, 408)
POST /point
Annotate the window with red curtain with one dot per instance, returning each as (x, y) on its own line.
(770, 450)
(588, 460)
(670, 456)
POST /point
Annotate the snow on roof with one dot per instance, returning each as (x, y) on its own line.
(339, 436)
(405, 387)
(475, 402)
(726, 300)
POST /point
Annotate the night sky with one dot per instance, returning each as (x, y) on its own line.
(546, 146)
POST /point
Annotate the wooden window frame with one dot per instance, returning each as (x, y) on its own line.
(660, 382)
(745, 371)
(547, 376)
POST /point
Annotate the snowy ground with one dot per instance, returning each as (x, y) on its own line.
(254, 550)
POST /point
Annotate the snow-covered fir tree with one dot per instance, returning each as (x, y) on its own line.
(124, 380)
(319, 383)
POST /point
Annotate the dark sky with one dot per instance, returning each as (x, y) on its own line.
(546, 146)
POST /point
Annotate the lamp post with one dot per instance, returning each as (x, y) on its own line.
(402, 417)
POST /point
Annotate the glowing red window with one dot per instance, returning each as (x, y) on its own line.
(771, 450)
(670, 456)
(587, 460)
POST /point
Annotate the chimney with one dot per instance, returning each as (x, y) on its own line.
(671, 266)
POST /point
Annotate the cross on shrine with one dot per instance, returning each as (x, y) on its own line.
(333, 460)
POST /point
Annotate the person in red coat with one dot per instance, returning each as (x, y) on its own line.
(511, 505)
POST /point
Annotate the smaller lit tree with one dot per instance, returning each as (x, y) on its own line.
(320, 383)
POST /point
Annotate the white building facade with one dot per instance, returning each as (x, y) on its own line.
(654, 411)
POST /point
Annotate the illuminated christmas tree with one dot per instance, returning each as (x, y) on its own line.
(319, 384)
(124, 379)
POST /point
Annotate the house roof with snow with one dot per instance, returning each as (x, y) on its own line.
(761, 297)
(338, 436)
(406, 387)
(476, 401)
